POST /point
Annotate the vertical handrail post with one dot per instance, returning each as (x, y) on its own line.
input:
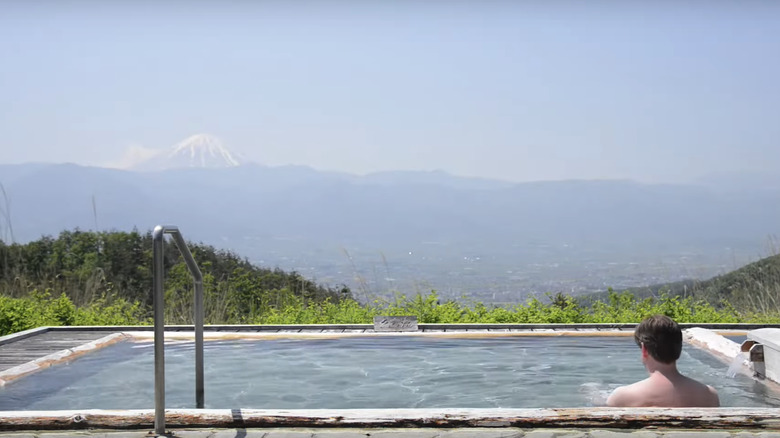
(199, 383)
(197, 317)
(159, 331)
(159, 322)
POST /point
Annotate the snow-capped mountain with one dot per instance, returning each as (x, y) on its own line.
(198, 151)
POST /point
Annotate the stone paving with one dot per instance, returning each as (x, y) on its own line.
(403, 433)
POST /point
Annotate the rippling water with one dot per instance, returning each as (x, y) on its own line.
(368, 372)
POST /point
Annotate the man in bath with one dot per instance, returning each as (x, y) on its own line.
(660, 339)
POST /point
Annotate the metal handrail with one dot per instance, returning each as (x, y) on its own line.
(159, 322)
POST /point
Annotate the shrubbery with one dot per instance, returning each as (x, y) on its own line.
(96, 272)
(619, 308)
(85, 278)
(42, 309)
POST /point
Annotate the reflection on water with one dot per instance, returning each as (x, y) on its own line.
(369, 372)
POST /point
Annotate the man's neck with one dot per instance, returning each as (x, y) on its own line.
(668, 370)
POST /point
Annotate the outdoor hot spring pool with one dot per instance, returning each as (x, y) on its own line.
(368, 372)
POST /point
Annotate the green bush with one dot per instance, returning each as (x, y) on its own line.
(41, 309)
(618, 308)
(44, 309)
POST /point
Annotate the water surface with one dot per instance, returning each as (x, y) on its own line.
(368, 372)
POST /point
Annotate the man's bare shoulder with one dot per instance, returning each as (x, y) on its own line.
(650, 393)
(713, 399)
(618, 397)
(700, 394)
(627, 396)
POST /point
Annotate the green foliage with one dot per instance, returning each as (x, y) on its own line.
(85, 267)
(619, 308)
(627, 308)
(84, 278)
(43, 309)
(752, 288)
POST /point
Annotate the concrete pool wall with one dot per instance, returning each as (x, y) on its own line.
(374, 421)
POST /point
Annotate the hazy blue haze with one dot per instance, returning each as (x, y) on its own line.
(416, 231)
(648, 90)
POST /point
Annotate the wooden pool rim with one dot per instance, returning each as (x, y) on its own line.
(368, 328)
(767, 419)
(573, 418)
(322, 331)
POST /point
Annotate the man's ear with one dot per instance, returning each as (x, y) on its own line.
(645, 354)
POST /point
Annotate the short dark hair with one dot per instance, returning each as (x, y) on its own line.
(661, 337)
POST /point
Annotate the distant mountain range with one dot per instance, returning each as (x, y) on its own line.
(408, 230)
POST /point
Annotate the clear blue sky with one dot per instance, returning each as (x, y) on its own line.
(518, 90)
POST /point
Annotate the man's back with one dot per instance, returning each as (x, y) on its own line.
(660, 342)
(660, 390)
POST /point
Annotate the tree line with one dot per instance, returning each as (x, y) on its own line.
(89, 267)
(105, 278)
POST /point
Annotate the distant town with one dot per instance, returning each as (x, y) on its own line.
(500, 278)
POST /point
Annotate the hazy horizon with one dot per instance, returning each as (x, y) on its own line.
(527, 91)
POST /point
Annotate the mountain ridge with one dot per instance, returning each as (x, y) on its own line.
(754, 286)
(507, 241)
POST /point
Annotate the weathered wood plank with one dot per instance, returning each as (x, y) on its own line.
(580, 418)
(16, 357)
(22, 351)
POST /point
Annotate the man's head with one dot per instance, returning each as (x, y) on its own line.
(661, 337)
